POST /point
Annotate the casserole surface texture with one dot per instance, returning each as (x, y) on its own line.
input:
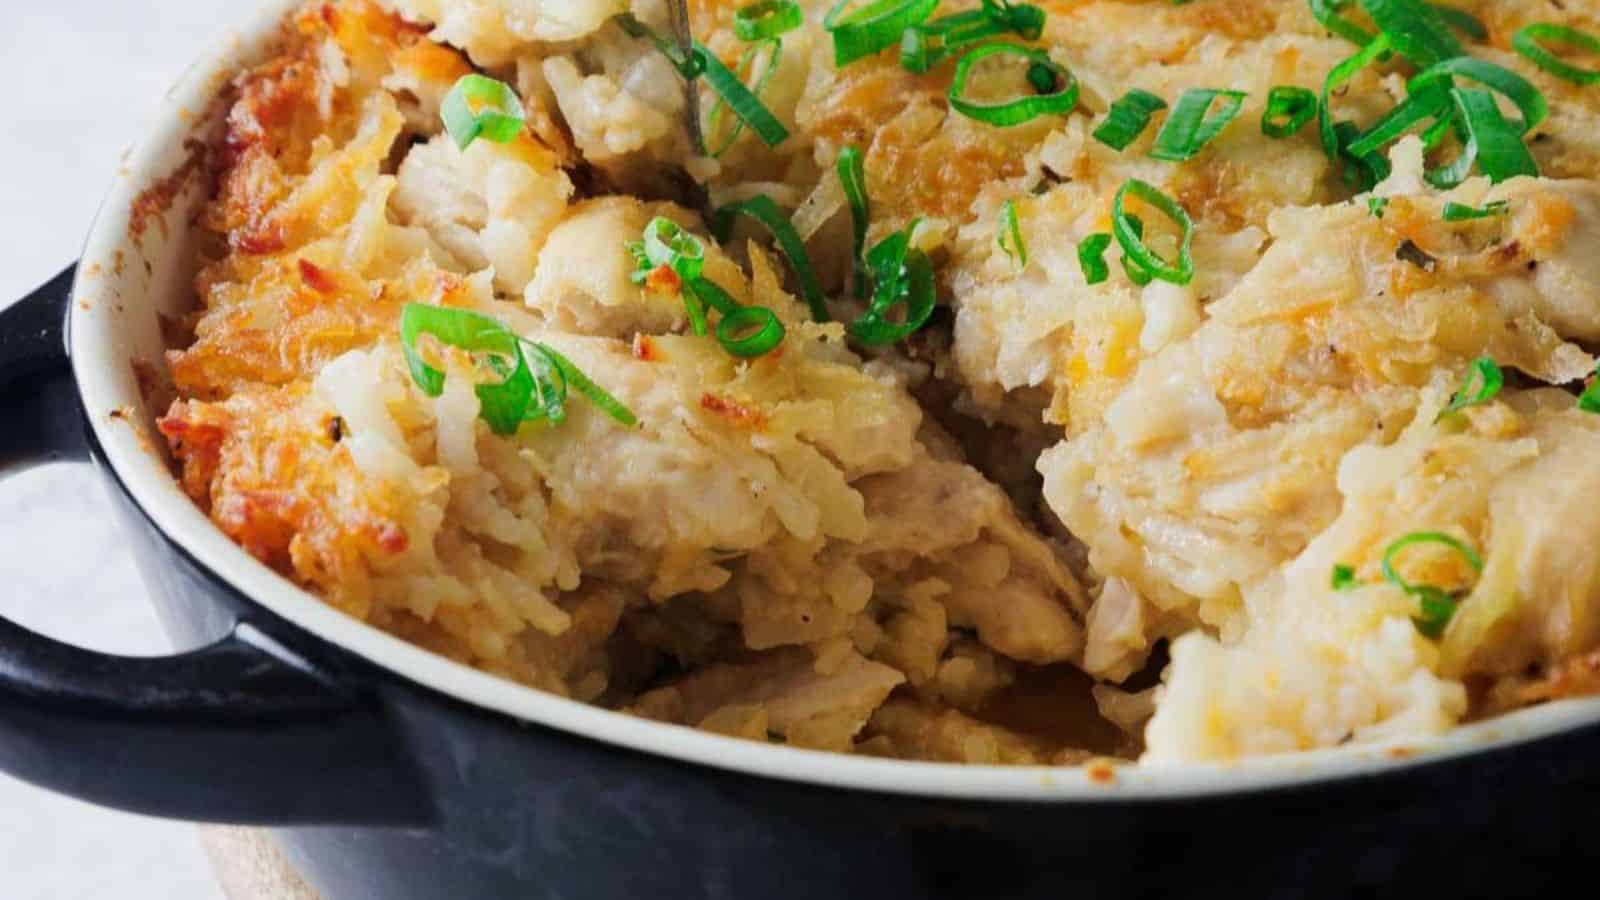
(1061, 519)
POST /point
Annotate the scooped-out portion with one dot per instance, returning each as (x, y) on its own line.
(969, 382)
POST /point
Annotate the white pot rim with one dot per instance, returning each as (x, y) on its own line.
(111, 321)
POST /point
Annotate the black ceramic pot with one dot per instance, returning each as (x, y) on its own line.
(381, 788)
(391, 774)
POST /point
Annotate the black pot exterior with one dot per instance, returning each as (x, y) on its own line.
(523, 811)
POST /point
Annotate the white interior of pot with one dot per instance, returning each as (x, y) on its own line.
(126, 283)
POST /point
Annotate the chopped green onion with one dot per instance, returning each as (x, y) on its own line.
(1437, 605)
(766, 211)
(873, 27)
(1462, 21)
(747, 61)
(1289, 109)
(1377, 206)
(597, 395)
(1092, 257)
(746, 105)
(1137, 272)
(712, 295)
(1025, 19)
(1460, 212)
(901, 276)
(767, 19)
(1514, 87)
(1361, 172)
(853, 180)
(1492, 142)
(924, 46)
(1056, 88)
(1414, 29)
(1526, 42)
(750, 331)
(1131, 237)
(479, 106)
(689, 64)
(1344, 578)
(666, 243)
(1326, 12)
(1338, 76)
(1483, 382)
(1429, 101)
(470, 331)
(1128, 118)
(526, 392)
(1188, 129)
(1589, 400)
(1009, 235)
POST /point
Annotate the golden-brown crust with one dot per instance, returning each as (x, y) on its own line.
(279, 486)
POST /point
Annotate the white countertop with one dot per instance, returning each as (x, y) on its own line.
(85, 76)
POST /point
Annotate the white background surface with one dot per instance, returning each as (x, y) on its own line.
(82, 78)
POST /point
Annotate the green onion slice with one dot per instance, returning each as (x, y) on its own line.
(1344, 578)
(1056, 88)
(1092, 257)
(1377, 206)
(1289, 109)
(747, 62)
(1188, 129)
(901, 276)
(1460, 212)
(1361, 172)
(924, 46)
(1025, 19)
(1429, 102)
(745, 104)
(1128, 118)
(1326, 12)
(480, 107)
(1131, 237)
(1514, 87)
(1526, 42)
(470, 331)
(666, 243)
(596, 394)
(1483, 382)
(860, 31)
(750, 331)
(1462, 21)
(1137, 272)
(1437, 605)
(765, 210)
(1589, 400)
(1338, 76)
(1415, 30)
(711, 294)
(853, 179)
(1492, 142)
(526, 392)
(767, 19)
(689, 65)
(1009, 235)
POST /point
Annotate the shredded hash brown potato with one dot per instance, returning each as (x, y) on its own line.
(1059, 510)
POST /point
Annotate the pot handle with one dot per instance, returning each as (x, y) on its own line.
(244, 731)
